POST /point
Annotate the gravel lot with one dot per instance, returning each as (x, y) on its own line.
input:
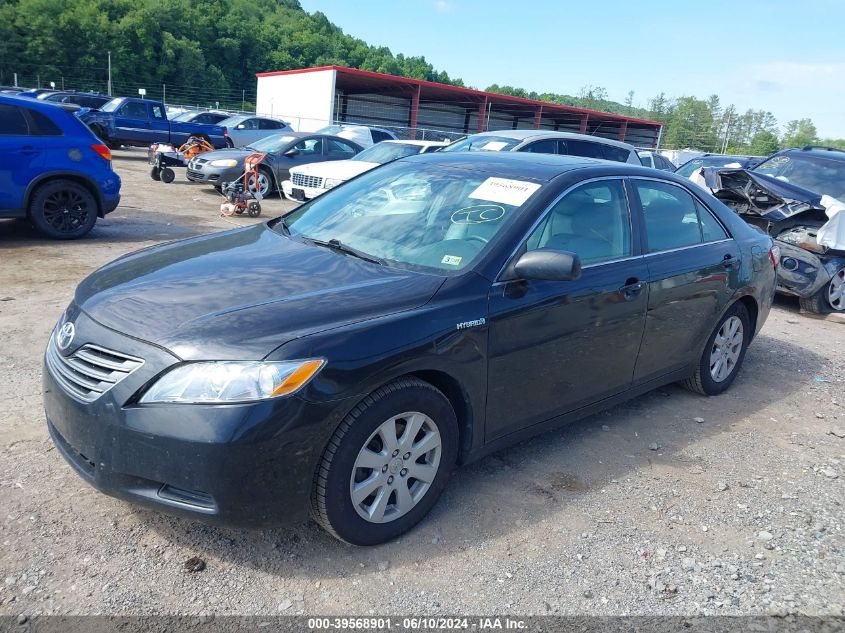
(670, 504)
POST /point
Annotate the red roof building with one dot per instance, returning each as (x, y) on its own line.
(311, 98)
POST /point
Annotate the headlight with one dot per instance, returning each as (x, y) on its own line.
(224, 162)
(231, 381)
(328, 183)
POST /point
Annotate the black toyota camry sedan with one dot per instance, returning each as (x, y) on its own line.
(344, 359)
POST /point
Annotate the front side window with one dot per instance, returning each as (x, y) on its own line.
(547, 146)
(415, 215)
(673, 217)
(134, 110)
(248, 124)
(310, 146)
(12, 121)
(591, 221)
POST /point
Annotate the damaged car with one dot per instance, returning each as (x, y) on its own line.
(798, 197)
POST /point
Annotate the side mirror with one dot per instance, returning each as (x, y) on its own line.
(292, 152)
(240, 127)
(548, 264)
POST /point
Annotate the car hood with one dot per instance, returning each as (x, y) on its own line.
(340, 169)
(240, 294)
(221, 154)
(764, 195)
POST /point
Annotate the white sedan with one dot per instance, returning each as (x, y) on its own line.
(309, 181)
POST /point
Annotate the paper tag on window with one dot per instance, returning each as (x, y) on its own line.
(494, 146)
(505, 191)
(452, 260)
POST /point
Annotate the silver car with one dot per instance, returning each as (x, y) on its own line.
(245, 129)
(544, 142)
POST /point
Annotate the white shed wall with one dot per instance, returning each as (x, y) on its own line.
(305, 100)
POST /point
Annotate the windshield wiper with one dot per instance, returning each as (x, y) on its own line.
(285, 228)
(337, 245)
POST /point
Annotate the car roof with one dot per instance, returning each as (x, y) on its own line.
(413, 142)
(814, 150)
(534, 166)
(542, 134)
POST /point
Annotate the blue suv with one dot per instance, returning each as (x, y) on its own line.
(53, 170)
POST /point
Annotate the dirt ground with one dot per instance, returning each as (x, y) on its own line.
(670, 504)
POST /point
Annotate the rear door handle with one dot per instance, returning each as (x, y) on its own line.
(28, 150)
(729, 261)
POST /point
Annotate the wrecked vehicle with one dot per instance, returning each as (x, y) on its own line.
(798, 197)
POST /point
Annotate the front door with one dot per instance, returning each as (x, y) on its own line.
(132, 122)
(693, 266)
(556, 346)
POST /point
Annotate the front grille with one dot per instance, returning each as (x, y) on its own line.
(301, 180)
(194, 174)
(90, 371)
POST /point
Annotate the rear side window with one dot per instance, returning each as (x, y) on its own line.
(673, 217)
(584, 148)
(541, 147)
(158, 112)
(43, 126)
(267, 124)
(12, 121)
(619, 154)
(339, 148)
(379, 136)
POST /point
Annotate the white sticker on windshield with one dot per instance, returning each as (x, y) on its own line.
(452, 260)
(505, 191)
(494, 146)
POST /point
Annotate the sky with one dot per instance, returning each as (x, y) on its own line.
(787, 57)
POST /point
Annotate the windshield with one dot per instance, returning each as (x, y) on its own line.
(816, 173)
(272, 143)
(415, 214)
(687, 168)
(112, 105)
(485, 143)
(382, 153)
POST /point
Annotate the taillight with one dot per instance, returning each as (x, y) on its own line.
(103, 151)
(774, 255)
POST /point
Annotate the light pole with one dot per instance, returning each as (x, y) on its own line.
(109, 86)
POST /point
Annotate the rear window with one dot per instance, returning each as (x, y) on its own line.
(43, 125)
(12, 121)
(619, 154)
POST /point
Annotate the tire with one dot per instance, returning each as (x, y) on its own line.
(63, 210)
(708, 379)
(830, 298)
(167, 175)
(155, 174)
(265, 181)
(361, 438)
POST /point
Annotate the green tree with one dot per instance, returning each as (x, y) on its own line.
(799, 133)
(763, 143)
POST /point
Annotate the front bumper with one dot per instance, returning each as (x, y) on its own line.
(249, 465)
(307, 192)
(212, 175)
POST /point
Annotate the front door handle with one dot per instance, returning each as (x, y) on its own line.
(632, 288)
(28, 150)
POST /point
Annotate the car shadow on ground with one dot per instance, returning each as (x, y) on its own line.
(534, 481)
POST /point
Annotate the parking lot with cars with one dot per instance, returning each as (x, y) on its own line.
(670, 503)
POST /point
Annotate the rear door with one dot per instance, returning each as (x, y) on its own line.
(20, 157)
(693, 268)
(557, 346)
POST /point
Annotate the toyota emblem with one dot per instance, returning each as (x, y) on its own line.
(64, 337)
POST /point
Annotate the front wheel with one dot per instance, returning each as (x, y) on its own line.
(830, 298)
(386, 464)
(155, 173)
(63, 210)
(723, 355)
(167, 175)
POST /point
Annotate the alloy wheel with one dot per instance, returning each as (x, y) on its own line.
(263, 184)
(395, 467)
(727, 347)
(66, 210)
(836, 291)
